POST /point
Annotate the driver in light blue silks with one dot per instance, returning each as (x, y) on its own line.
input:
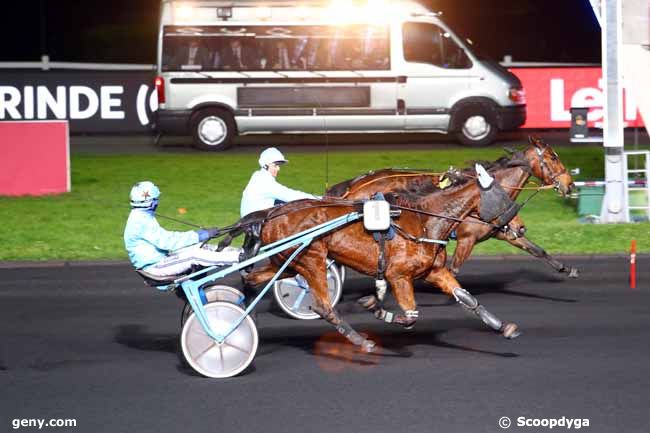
(263, 191)
(161, 252)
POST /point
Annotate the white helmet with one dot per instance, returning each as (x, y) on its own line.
(270, 156)
(144, 194)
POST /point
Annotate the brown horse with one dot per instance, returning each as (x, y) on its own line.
(408, 256)
(512, 173)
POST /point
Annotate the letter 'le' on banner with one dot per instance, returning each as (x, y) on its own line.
(35, 158)
(633, 264)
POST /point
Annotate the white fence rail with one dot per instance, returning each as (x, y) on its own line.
(45, 64)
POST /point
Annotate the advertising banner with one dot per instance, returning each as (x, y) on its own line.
(93, 101)
(552, 92)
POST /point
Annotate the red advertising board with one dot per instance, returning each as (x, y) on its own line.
(34, 158)
(551, 92)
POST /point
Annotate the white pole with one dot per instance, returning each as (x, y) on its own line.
(614, 209)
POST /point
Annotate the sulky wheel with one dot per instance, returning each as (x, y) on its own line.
(214, 293)
(219, 360)
(342, 273)
(294, 297)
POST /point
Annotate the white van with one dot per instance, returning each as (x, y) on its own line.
(241, 67)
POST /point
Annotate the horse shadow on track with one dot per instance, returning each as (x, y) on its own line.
(330, 345)
(135, 337)
(501, 283)
(326, 345)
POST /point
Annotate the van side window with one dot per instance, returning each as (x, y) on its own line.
(428, 43)
(276, 48)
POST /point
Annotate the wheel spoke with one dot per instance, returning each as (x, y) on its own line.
(223, 362)
(299, 299)
(199, 332)
(204, 352)
(215, 313)
(293, 282)
(235, 347)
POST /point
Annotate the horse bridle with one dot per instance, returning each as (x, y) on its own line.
(543, 165)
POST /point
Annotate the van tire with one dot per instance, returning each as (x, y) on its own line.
(212, 129)
(476, 125)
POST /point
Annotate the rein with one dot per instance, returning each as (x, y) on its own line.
(524, 188)
(178, 221)
(119, 206)
(459, 220)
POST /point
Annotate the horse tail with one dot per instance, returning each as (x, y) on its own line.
(249, 224)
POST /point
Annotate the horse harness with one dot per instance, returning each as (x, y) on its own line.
(543, 165)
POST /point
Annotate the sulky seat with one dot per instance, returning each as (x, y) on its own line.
(155, 280)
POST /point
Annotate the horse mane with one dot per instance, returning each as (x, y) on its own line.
(411, 197)
(516, 159)
(497, 164)
(341, 188)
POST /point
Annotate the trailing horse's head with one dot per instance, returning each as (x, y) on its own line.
(546, 165)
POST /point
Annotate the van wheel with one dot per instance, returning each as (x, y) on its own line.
(212, 129)
(477, 126)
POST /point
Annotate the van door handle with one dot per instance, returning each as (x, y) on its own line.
(401, 107)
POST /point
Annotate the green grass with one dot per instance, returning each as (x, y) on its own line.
(87, 223)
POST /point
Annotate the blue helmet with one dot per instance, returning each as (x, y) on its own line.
(144, 195)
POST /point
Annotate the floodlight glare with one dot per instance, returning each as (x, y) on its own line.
(263, 13)
(184, 12)
(303, 12)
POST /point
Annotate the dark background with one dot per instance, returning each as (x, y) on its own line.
(124, 31)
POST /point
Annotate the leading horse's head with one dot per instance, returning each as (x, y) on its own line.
(546, 165)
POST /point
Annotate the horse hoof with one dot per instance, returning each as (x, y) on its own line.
(573, 273)
(368, 346)
(511, 331)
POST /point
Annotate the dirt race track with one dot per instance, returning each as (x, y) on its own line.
(94, 344)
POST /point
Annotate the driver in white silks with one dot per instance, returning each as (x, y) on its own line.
(263, 191)
(160, 252)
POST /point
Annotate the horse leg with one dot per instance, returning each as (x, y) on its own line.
(535, 250)
(403, 291)
(313, 268)
(468, 234)
(464, 246)
(264, 273)
(446, 281)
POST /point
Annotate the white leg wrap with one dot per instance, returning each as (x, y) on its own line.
(412, 314)
(384, 315)
(382, 288)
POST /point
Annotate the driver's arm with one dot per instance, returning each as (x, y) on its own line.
(169, 240)
(281, 192)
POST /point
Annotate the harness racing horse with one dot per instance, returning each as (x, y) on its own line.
(538, 160)
(408, 256)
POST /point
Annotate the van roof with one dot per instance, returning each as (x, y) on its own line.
(245, 9)
(284, 3)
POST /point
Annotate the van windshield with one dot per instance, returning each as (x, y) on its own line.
(253, 48)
